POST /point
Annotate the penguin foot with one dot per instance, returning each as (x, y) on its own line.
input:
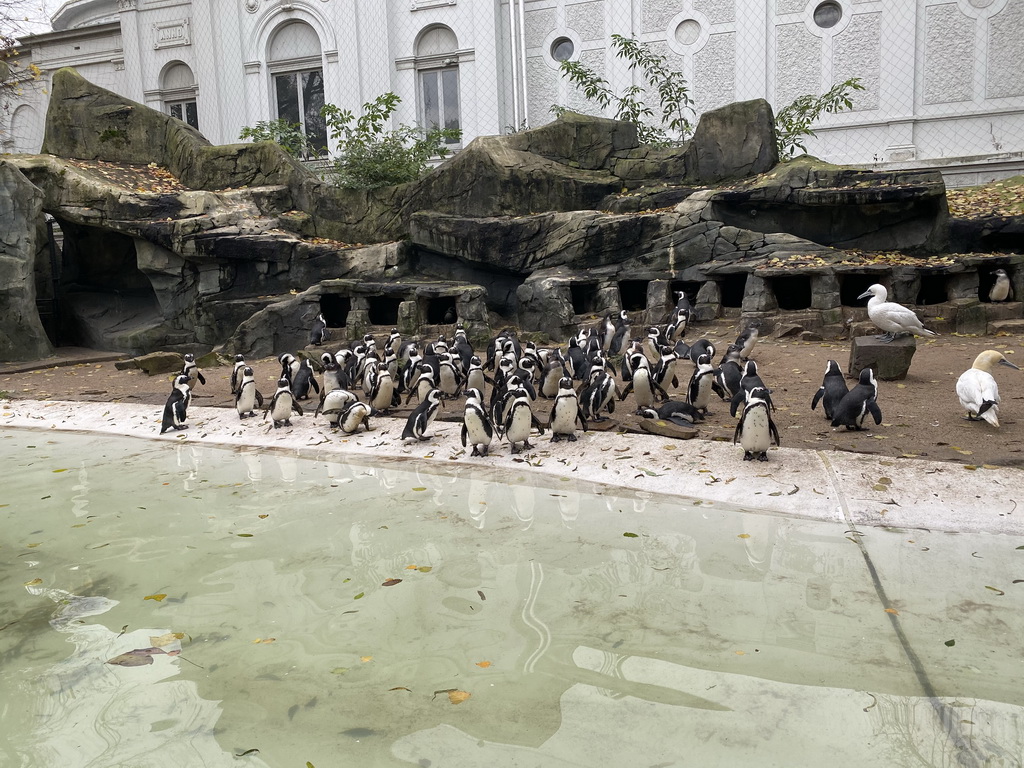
(287, 422)
(572, 438)
(181, 426)
(514, 449)
(748, 456)
(763, 456)
(475, 452)
(527, 444)
(556, 438)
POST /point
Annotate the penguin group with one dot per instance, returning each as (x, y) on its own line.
(505, 384)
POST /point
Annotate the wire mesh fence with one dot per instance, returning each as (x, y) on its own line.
(942, 80)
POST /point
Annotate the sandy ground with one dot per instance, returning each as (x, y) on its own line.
(924, 467)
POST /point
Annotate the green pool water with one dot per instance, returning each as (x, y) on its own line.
(347, 614)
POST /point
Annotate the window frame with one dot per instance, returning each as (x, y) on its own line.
(295, 68)
(438, 69)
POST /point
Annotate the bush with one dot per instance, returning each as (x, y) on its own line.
(793, 121)
(288, 135)
(370, 156)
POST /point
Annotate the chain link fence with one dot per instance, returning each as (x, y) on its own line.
(943, 80)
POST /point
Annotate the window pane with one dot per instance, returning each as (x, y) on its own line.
(313, 102)
(450, 90)
(175, 110)
(431, 112)
(191, 114)
(287, 97)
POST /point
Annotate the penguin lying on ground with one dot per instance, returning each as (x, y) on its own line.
(176, 408)
(755, 429)
(282, 405)
(977, 388)
(893, 318)
(247, 397)
(832, 390)
(683, 414)
(858, 403)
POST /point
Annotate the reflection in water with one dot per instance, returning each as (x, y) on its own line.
(332, 606)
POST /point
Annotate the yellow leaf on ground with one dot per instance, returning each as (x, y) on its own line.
(457, 697)
(743, 536)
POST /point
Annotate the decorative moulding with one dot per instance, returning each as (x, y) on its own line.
(420, 5)
(171, 34)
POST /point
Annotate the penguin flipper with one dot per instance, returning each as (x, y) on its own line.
(817, 396)
(316, 387)
(738, 432)
(626, 391)
(658, 389)
(735, 403)
(536, 422)
(581, 418)
(465, 433)
(773, 431)
(202, 379)
(296, 407)
(875, 411)
(259, 399)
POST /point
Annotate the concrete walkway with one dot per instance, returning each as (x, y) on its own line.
(854, 489)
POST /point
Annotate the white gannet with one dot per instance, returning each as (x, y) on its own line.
(977, 389)
(893, 318)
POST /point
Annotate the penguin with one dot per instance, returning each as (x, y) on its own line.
(519, 421)
(698, 392)
(755, 429)
(450, 316)
(191, 369)
(977, 390)
(551, 379)
(289, 366)
(606, 331)
(894, 319)
(651, 345)
(677, 325)
(448, 380)
(683, 414)
(599, 393)
(748, 339)
(476, 425)
(236, 374)
(394, 342)
(701, 347)
(475, 376)
(858, 403)
(645, 389)
(247, 397)
(318, 333)
(282, 405)
(577, 360)
(682, 301)
(420, 419)
(566, 413)
(176, 408)
(383, 394)
(424, 385)
(333, 404)
(832, 390)
(750, 380)
(356, 415)
(303, 379)
(1000, 290)
(618, 344)
(729, 373)
(665, 371)
(334, 377)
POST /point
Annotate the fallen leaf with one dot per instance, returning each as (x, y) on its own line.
(949, 643)
(743, 536)
(33, 582)
(365, 659)
(457, 697)
(339, 670)
(892, 611)
(483, 664)
(264, 640)
(391, 582)
(157, 597)
(400, 688)
(161, 640)
(629, 535)
(420, 488)
(359, 596)
(994, 589)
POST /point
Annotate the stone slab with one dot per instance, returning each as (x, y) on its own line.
(889, 360)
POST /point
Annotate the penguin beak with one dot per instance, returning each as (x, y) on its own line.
(1008, 364)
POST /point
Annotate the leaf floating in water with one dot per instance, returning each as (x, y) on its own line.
(339, 670)
(873, 704)
(390, 582)
(262, 517)
(949, 643)
(359, 596)
(252, 751)
(59, 470)
(893, 611)
(425, 568)
(630, 535)
(994, 589)
(264, 640)
(457, 697)
(244, 535)
(33, 582)
(483, 664)
(365, 659)
(743, 536)
(419, 488)
(158, 597)
(139, 657)
(162, 640)
(400, 688)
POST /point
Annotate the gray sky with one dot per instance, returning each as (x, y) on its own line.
(31, 16)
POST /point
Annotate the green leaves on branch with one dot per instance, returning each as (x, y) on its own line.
(793, 121)
(288, 135)
(672, 125)
(369, 156)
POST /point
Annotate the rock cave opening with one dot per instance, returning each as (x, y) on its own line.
(792, 293)
(852, 285)
(933, 289)
(1003, 241)
(584, 298)
(335, 308)
(633, 295)
(732, 287)
(105, 300)
(383, 310)
(439, 310)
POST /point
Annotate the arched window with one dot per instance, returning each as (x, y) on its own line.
(296, 69)
(437, 74)
(178, 91)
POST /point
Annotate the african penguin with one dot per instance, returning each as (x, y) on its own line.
(282, 405)
(858, 403)
(303, 379)
(1000, 290)
(683, 414)
(755, 429)
(333, 404)
(191, 369)
(176, 408)
(356, 415)
(566, 413)
(383, 394)
(698, 392)
(643, 386)
(318, 333)
(748, 339)
(750, 380)
(477, 429)
(247, 397)
(832, 390)
(420, 419)
(236, 374)
(519, 421)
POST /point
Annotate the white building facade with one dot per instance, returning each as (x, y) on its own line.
(943, 79)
